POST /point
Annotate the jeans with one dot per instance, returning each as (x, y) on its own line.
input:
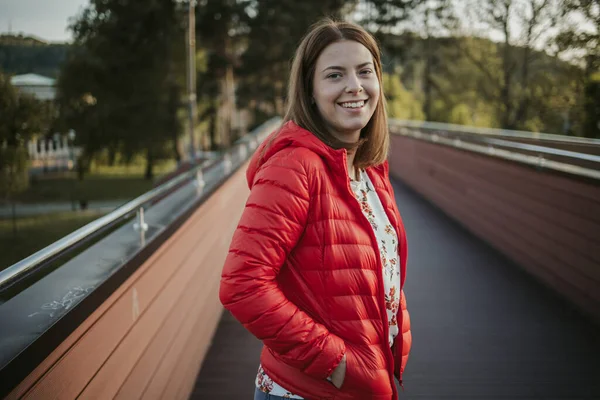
(260, 395)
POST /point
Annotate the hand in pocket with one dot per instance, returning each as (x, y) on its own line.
(339, 373)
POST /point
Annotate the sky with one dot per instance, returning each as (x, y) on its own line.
(49, 19)
(46, 19)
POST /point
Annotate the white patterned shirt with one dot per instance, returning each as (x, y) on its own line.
(387, 241)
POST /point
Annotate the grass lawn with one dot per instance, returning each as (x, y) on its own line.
(92, 188)
(35, 233)
(103, 183)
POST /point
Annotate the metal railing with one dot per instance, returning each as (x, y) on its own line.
(238, 153)
(477, 140)
(473, 130)
(503, 144)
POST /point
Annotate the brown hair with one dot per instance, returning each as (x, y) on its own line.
(372, 147)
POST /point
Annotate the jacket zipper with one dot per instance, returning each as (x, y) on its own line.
(383, 314)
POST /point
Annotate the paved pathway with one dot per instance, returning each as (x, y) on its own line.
(482, 328)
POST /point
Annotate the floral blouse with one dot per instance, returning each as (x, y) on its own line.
(387, 241)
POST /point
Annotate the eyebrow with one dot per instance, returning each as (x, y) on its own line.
(335, 67)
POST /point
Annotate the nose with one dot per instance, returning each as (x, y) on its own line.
(353, 85)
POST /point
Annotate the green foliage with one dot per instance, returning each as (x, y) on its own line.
(591, 127)
(584, 37)
(585, 34)
(275, 31)
(221, 26)
(22, 55)
(401, 103)
(120, 87)
(22, 116)
(464, 76)
(35, 233)
(14, 177)
(104, 186)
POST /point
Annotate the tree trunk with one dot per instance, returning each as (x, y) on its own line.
(506, 92)
(175, 143)
(173, 124)
(212, 129)
(427, 84)
(14, 218)
(149, 164)
(225, 106)
(112, 155)
(82, 166)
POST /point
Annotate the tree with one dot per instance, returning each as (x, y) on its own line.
(21, 55)
(401, 103)
(221, 27)
(21, 117)
(118, 88)
(512, 90)
(426, 20)
(275, 30)
(385, 16)
(575, 37)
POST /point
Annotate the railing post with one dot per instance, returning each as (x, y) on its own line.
(541, 161)
(243, 151)
(199, 183)
(141, 225)
(227, 163)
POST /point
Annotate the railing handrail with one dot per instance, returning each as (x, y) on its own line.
(506, 143)
(20, 268)
(494, 132)
(543, 149)
(486, 146)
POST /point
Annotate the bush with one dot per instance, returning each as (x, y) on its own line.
(14, 176)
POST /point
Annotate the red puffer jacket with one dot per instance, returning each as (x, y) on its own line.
(304, 275)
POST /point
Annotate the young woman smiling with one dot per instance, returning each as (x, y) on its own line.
(318, 261)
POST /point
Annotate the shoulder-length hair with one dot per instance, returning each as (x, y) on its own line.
(372, 147)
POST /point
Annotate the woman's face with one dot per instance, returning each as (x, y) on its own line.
(346, 88)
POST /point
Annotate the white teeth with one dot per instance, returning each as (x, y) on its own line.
(353, 105)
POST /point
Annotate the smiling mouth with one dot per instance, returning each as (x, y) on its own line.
(353, 104)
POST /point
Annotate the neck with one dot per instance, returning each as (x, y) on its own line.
(350, 163)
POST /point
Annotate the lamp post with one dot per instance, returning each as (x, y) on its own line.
(191, 75)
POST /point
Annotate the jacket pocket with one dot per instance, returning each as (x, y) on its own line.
(363, 374)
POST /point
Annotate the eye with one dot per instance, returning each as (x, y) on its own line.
(366, 72)
(335, 75)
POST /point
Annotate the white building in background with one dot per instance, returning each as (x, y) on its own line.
(42, 87)
(46, 154)
(52, 154)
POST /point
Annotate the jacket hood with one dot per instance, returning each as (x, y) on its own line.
(290, 135)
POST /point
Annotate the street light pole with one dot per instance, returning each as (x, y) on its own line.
(191, 75)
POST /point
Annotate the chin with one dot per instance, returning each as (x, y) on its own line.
(353, 127)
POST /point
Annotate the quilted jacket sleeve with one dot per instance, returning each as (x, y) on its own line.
(271, 225)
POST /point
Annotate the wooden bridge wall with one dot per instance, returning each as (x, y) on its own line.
(148, 340)
(546, 222)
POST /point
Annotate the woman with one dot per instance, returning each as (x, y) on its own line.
(318, 260)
